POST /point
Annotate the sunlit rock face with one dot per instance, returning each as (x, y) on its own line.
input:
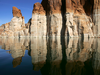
(2, 27)
(54, 17)
(71, 18)
(16, 28)
(96, 17)
(38, 22)
(51, 18)
(16, 12)
(78, 18)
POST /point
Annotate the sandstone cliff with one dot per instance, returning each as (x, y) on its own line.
(38, 22)
(2, 29)
(73, 18)
(15, 28)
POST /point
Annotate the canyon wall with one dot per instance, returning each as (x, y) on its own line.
(15, 28)
(57, 18)
(96, 17)
(73, 18)
(38, 22)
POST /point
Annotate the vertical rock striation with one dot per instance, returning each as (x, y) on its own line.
(15, 28)
(38, 22)
(73, 18)
(54, 18)
(78, 23)
(96, 17)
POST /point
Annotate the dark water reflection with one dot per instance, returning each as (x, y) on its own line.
(52, 56)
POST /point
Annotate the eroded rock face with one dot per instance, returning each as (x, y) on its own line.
(38, 8)
(38, 22)
(53, 18)
(72, 18)
(16, 12)
(96, 17)
(2, 29)
(15, 28)
(15, 24)
(53, 10)
(78, 18)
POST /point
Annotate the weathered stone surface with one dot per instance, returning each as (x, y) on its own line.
(78, 20)
(52, 6)
(15, 24)
(38, 8)
(76, 17)
(16, 12)
(38, 22)
(23, 22)
(15, 28)
(54, 25)
(96, 17)
(1, 29)
(26, 32)
(53, 10)
(73, 18)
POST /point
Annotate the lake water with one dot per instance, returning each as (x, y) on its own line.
(49, 56)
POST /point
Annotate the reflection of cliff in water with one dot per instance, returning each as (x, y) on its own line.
(38, 52)
(16, 48)
(74, 57)
(55, 56)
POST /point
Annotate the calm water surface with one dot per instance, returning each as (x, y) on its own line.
(52, 56)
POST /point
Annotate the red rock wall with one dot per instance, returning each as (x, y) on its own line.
(16, 12)
(77, 6)
(69, 6)
(52, 6)
(38, 8)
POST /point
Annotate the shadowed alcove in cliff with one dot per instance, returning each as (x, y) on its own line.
(88, 7)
